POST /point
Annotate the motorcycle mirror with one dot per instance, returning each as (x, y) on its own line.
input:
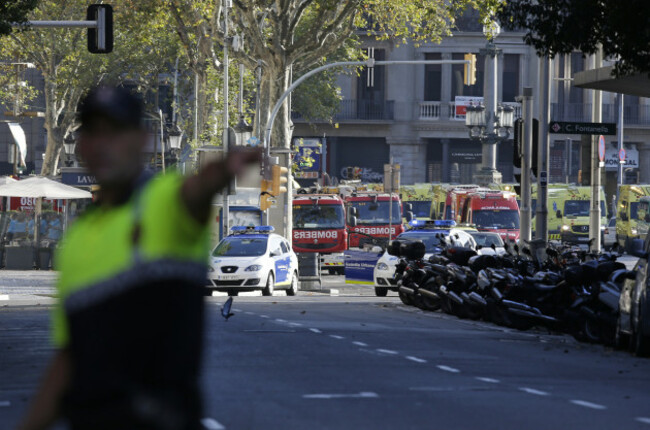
(225, 309)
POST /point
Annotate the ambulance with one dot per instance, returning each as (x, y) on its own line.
(420, 197)
(455, 198)
(629, 211)
(570, 210)
(493, 211)
(438, 201)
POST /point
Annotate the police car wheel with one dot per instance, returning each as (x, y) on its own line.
(381, 292)
(268, 290)
(293, 289)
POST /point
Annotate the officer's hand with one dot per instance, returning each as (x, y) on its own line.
(239, 158)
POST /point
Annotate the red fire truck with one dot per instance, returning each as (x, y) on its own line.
(455, 198)
(319, 226)
(495, 211)
(374, 217)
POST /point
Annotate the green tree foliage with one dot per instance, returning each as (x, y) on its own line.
(562, 26)
(14, 11)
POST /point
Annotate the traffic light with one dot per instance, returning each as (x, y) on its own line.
(266, 199)
(100, 38)
(469, 70)
(517, 143)
(278, 179)
(533, 165)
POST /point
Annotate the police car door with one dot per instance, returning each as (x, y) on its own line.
(281, 260)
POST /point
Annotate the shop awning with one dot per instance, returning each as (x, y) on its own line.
(38, 186)
(603, 79)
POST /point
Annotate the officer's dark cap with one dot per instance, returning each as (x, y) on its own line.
(118, 105)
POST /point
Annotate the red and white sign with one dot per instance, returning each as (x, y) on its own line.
(621, 155)
(28, 204)
(461, 103)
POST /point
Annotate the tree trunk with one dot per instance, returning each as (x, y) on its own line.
(274, 84)
(54, 135)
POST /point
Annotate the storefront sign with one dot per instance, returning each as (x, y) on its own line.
(78, 178)
(467, 156)
(612, 159)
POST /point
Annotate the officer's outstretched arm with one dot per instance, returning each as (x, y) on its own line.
(46, 405)
(198, 190)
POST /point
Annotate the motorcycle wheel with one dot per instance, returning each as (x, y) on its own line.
(405, 298)
(430, 304)
(592, 331)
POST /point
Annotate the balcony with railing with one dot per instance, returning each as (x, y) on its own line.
(581, 112)
(436, 111)
(357, 110)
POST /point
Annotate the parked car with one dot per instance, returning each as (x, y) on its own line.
(633, 326)
(485, 240)
(253, 258)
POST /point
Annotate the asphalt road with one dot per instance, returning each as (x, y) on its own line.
(355, 361)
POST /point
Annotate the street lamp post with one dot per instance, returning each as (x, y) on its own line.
(69, 145)
(490, 123)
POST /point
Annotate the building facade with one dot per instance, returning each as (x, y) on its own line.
(408, 113)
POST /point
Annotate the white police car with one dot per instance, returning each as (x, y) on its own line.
(253, 258)
(428, 232)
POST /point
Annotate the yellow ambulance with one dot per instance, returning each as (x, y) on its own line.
(629, 211)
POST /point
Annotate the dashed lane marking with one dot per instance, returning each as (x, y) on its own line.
(533, 391)
(387, 351)
(236, 310)
(280, 320)
(488, 380)
(249, 313)
(5, 404)
(333, 336)
(417, 360)
(295, 324)
(360, 344)
(643, 420)
(362, 395)
(588, 404)
(211, 424)
(264, 316)
(448, 369)
(315, 330)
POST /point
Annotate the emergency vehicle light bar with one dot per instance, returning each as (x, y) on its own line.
(434, 223)
(240, 229)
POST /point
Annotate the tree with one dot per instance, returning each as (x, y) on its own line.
(14, 11)
(292, 36)
(562, 26)
(142, 53)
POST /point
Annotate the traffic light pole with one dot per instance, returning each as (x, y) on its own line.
(594, 213)
(541, 224)
(526, 162)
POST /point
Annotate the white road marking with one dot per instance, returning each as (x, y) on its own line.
(280, 321)
(336, 337)
(448, 369)
(249, 313)
(643, 420)
(588, 404)
(315, 330)
(533, 391)
(236, 310)
(360, 344)
(264, 316)
(417, 360)
(488, 380)
(387, 351)
(5, 404)
(362, 395)
(211, 424)
(295, 324)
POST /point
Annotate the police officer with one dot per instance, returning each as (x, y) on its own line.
(128, 327)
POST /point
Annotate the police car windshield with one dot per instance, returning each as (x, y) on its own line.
(429, 239)
(421, 209)
(241, 246)
(318, 216)
(580, 207)
(377, 213)
(501, 219)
